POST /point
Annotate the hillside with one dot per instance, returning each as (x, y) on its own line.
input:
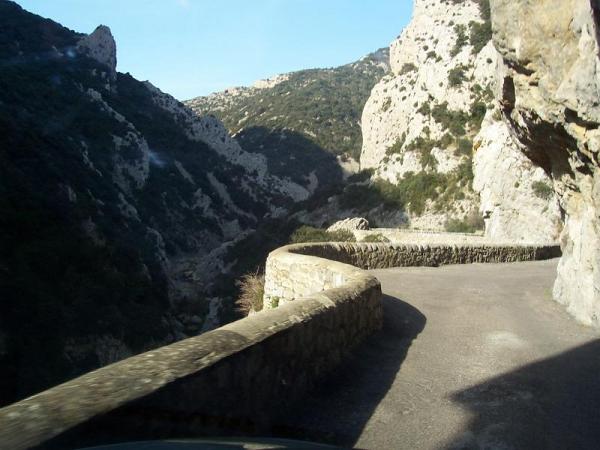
(118, 206)
(308, 110)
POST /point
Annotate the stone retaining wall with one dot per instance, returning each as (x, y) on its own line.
(291, 273)
(233, 379)
(428, 237)
(238, 376)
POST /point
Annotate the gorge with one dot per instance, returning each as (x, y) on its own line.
(126, 215)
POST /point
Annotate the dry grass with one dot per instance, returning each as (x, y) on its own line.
(252, 289)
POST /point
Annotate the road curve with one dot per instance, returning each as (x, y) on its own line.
(471, 356)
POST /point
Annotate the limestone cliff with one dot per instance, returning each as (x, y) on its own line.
(517, 201)
(424, 130)
(549, 90)
(423, 116)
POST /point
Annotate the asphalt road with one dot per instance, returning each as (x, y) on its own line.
(471, 356)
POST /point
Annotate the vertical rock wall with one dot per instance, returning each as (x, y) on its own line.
(517, 200)
(549, 91)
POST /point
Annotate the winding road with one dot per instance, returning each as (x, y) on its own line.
(470, 356)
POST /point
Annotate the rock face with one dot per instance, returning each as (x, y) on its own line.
(517, 200)
(422, 117)
(549, 90)
(356, 223)
(101, 46)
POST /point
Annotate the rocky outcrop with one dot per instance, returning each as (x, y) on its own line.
(423, 116)
(517, 202)
(101, 46)
(549, 90)
(350, 224)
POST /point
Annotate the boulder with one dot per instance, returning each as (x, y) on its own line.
(350, 224)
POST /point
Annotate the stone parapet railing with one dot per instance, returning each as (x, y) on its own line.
(234, 378)
(243, 374)
(292, 271)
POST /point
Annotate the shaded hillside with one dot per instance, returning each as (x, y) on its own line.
(323, 105)
(117, 206)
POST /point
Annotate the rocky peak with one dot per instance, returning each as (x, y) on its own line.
(101, 46)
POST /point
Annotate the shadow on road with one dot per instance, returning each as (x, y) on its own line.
(338, 409)
(551, 404)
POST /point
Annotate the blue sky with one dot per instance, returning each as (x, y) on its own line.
(195, 47)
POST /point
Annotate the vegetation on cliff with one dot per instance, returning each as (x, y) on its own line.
(322, 105)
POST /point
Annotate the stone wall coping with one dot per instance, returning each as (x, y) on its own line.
(43, 416)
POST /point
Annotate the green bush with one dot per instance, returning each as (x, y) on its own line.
(407, 68)
(310, 234)
(478, 110)
(396, 147)
(414, 189)
(471, 224)
(542, 190)
(425, 109)
(378, 237)
(464, 147)
(456, 76)
(424, 146)
(481, 33)
(455, 121)
(461, 39)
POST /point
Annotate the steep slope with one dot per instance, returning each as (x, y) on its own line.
(293, 118)
(549, 86)
(118, 206)
(421, 121)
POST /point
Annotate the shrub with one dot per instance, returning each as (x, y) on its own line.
(396, 147)
(407, 68)
(542, 190)
(456, 76)
(424, 146)
(481, 33)
(446, 141)
(360, 196)
(471, 224)
(425, 109)
(461, 39)
(310, 234)
(464, 147)
(454, 121)
(361, 176)
(478, 110)
(378, 237)
(252, 289)
(416, 189)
